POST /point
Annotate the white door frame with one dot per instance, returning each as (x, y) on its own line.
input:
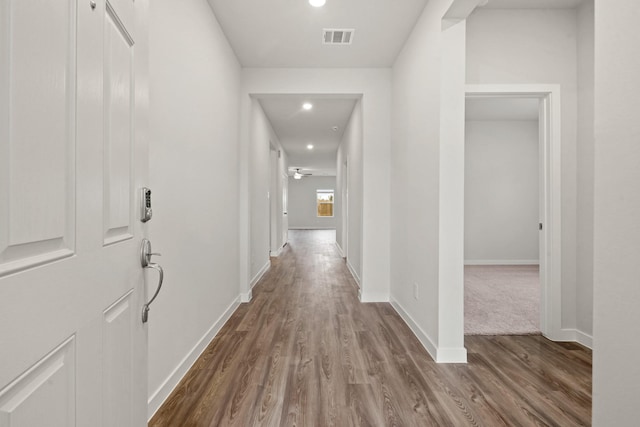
(345, 207)
(273, 197)
(550, 210)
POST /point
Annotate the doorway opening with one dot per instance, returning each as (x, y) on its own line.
(501, 272)
(512, 209)
(317, 134)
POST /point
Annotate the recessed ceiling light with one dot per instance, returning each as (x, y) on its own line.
(307, 106)
(317, 3)
(310, 146)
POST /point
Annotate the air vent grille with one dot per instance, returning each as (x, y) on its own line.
(337, 36)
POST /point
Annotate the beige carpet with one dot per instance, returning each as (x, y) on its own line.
(501, 300)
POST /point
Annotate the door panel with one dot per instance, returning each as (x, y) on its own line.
(125, 14)
(118, 128)
(45, 395)
(37, 144)
(118, 362)
(73, 150)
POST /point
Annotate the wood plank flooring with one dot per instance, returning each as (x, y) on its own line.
(306, 352)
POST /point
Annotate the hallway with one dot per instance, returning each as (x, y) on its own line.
(306, 352)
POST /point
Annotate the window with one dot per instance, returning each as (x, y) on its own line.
(324, 201)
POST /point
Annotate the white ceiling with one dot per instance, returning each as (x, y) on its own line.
(296, 128)
(288, 33)
(501, 108)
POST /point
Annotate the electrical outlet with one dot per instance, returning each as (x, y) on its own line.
(415, 290)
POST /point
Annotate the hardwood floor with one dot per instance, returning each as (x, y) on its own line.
(306, 352)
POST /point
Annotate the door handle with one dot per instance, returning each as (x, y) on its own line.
(145, 261)
(145, 308)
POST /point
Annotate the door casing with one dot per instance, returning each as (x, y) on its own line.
(550, 196)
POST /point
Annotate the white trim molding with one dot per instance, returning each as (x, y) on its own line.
(259, 275)
(501, 262)
(246, 296)
(584, 339)
(278, 252)
(354, 274)
(550, 118)
(162, 393)
(373, 296)
(575, 335)
(313, 227)
(440, 355)
(422, 336)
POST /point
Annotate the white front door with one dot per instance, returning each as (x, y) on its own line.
(73, 152)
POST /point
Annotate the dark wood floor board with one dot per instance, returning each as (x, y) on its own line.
(331, 392)
(566, 389)
(524, 383)
(362, 408)
(457, 396)
(568, 376)
(350, 353)
(529, 395)
(305, 352)
(270, 398)
(499, 402)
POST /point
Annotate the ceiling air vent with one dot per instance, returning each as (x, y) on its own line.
(337, 36)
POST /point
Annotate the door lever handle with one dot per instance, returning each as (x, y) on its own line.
(146, 254)
(145, 308)
(145, 261)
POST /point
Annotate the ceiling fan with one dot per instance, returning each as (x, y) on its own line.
(298, 175)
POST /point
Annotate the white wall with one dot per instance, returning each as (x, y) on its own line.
(374, 85)
(259, 176)
(274, 246)
(616, 371)
(585, 147)
(195, 79)
(279, 177)
(427, 183)
(349, 167)
(501, 192)
(262, 137)
(303, 213)
(536, 46)
(340, 201)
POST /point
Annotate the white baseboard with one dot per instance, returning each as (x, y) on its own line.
(353, 273)
(452, 355)
(501, 262)
(246, 297)
(422, 336)
(162, 393)
(340, 251)
(373, 296)
(275, 253)
(440, 355)
(572, 335)
(312, 228)
(259, 274)
(584, 339)
(278, 252)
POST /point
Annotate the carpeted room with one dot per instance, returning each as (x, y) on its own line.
(502, 285)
